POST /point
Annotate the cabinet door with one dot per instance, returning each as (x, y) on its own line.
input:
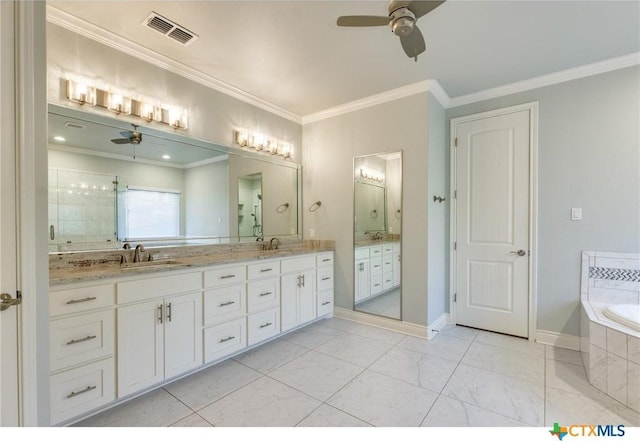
(182, 334)
(289, 301)
(362, 279)
(306, 298)
(140, 346)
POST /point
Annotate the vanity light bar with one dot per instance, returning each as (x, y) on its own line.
(374, 175)
(82, 93)
(263, 143)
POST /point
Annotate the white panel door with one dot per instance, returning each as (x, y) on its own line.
(492, 223)
(9, 415)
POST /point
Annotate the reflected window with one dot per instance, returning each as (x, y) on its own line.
(148, 213)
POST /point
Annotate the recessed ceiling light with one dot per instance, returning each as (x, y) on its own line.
(166, 157)
(59, 138)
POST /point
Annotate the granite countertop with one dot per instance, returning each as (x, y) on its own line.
(370, 242)
(88, 266)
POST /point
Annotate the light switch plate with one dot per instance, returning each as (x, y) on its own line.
(576, 214)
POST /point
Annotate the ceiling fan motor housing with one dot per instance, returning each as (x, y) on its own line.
(402, 22)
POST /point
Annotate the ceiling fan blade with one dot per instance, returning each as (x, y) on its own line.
(420, 8)
(121, 141)
(126, 134)
(363, 20)
(413, 43)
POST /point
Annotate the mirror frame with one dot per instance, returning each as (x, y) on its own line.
(125, 125)
(353, 218)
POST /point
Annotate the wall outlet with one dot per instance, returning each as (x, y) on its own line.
(312, 232)
(576, 214)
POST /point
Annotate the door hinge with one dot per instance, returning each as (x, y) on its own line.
(455, 142)
(455, 194)
(455, 245)
(455, 298)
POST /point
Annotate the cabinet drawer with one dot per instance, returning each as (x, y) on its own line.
(387, 249)
(362, 253)
(376, 283)
(143, 289)
(324, 259)
(224, 339)
(263, 294)
(224, 275)
(81, 390)
(387, 281)
(375, 251)
(81, 299)
(268, 268)
(298, 264)
(263, 325)
(387, 263)
(376, 265)
(80, 339)
(325, 278)
(224, 304)
(325, 303)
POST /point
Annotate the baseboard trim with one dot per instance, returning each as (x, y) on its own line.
(437, 325)
(558, 340)
(382, 322)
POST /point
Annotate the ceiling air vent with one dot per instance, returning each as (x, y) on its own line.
(169, 29)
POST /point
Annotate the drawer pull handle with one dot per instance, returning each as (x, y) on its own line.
(265, 325)
(326, 278)
(266, 270)
(86, 299)
(326, 260)
(223, 340)
(80, 340)
(80, 392)
(228, 276)
(377, 284)
(159, 309)
(169, 312)
(230, 302)
(325, 303)
(268, 293)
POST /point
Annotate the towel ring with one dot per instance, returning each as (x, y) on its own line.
(282, 207)
(315, 206)
(398, 213)
(373, 214)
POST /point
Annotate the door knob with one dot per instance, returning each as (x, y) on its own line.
(519, 252)
(6, 300)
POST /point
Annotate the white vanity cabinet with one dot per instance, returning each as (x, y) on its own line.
(324, 284)
(297, 295)
(377, 269)
(159, 329)
(81, 349)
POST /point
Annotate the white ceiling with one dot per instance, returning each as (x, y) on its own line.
(294, 56)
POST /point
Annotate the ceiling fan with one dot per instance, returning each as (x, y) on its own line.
(402, 19)
(129, 137)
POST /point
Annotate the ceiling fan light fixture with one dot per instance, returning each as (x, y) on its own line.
(402, 26)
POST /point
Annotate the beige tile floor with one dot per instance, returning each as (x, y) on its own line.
(337, 373)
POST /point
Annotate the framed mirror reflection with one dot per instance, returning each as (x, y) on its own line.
(377, 190)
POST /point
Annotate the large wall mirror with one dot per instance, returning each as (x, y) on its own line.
(111, 182)
(377, 189)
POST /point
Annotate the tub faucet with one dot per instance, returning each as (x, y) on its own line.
(136, 255)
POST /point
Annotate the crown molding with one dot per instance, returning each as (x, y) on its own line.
(587, 70)
(390, 95)
(88, 30)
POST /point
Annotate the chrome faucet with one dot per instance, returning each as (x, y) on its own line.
(136, 254)
(276, 241)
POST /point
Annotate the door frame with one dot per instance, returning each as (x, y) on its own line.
(532, 107)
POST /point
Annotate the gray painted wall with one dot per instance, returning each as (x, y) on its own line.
(438, 212)
(328, 150)
(589, 157)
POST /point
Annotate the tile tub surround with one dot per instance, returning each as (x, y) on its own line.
(610, 350)
(94, 265)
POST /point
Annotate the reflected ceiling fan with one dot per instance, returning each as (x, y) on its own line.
(129, 137)
(402, 18)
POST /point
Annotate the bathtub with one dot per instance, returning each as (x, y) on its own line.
(610, 323)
